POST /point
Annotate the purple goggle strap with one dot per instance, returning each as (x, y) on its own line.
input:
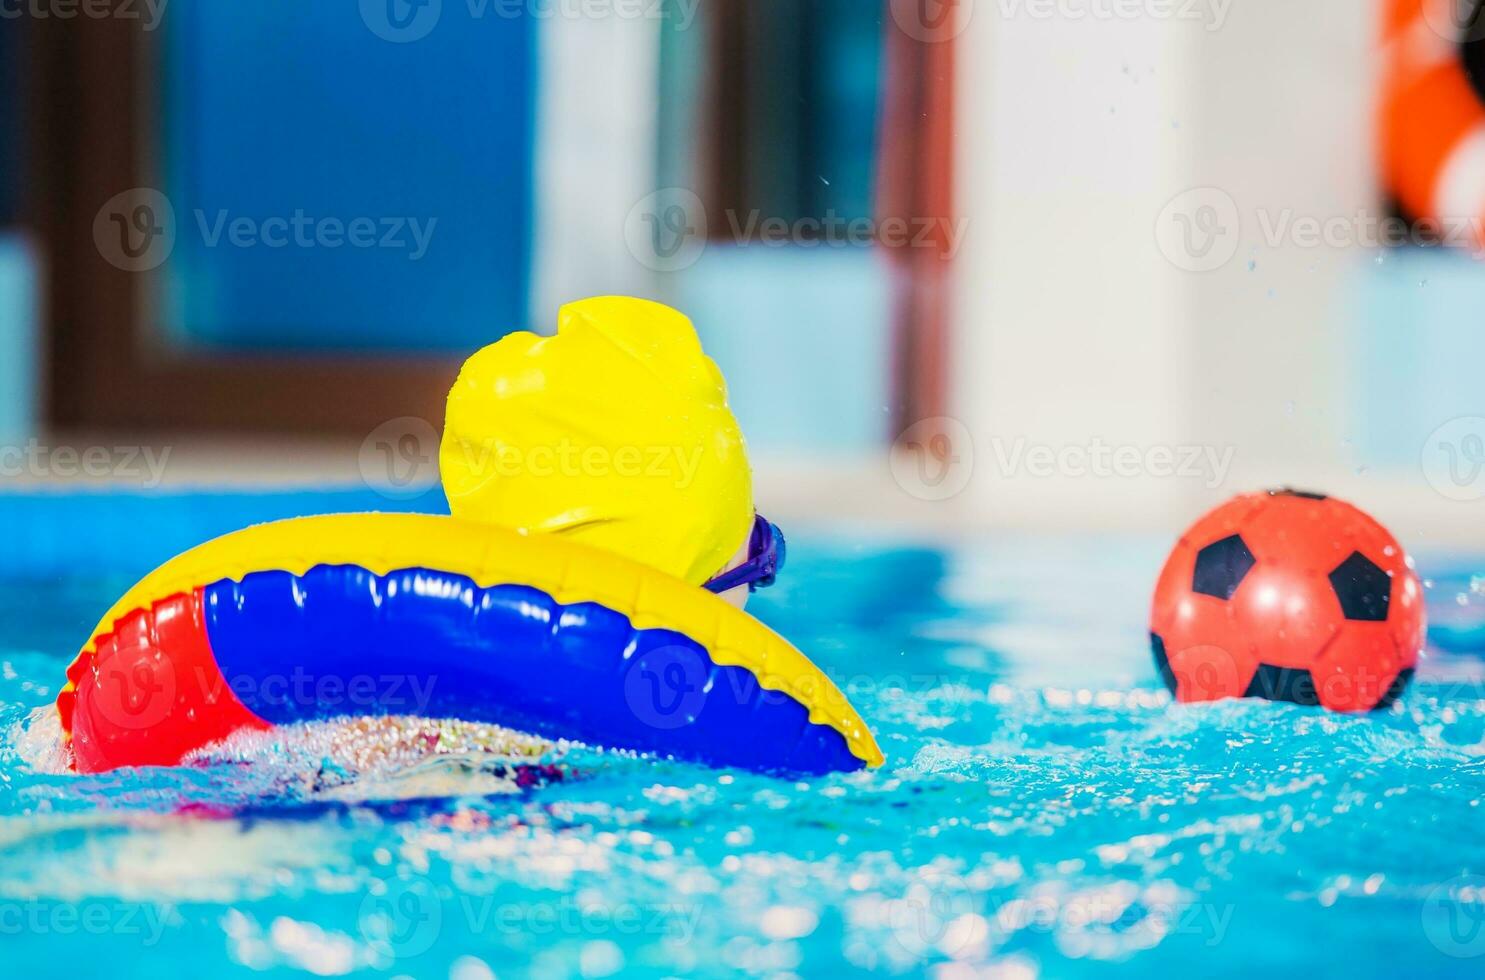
(766, 550)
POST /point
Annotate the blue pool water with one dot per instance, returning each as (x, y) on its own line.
(1044, 811)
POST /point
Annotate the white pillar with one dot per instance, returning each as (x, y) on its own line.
(1072, 330)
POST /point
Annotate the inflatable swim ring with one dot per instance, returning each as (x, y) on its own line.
(1432, 113)
(399, 614)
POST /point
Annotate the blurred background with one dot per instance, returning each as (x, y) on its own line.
(1033, 263)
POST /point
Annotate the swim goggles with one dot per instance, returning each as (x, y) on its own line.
(766, 551)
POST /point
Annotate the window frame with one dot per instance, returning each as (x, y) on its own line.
(107, 368)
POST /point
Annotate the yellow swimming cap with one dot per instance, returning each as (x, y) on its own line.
(615, 432)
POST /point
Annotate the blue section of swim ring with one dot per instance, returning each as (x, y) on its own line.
(341, 641)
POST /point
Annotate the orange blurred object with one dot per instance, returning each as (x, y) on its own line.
(1431, 120)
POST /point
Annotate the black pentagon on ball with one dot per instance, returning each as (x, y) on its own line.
(1283, 684)
(1220, 567)
(1291, 492)
(1162, 662)
(1364, 589)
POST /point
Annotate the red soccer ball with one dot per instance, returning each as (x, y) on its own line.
(1288, 596)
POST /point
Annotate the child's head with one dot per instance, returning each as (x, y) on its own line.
(614, 432)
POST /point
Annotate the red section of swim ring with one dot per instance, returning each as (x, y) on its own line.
(151, 692)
